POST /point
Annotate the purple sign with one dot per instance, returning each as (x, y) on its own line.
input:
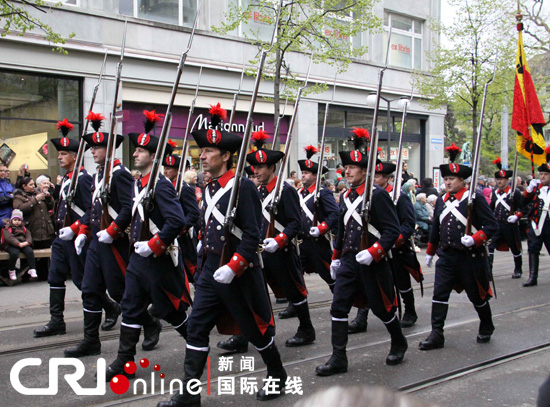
(133, 119)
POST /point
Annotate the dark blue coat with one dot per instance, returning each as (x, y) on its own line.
(327, 209)
(82, 199)
(500, 211)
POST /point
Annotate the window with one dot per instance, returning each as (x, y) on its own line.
(177, 12)
(406, 41)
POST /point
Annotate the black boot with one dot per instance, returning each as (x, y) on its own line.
(518, 263)
(129, 338)
(192, 367)
(275, 370)
(398, 343)
(151, 333)
(90, 345)
(338, 362)
(359, 324)
(436, 339)
(486, 327)
(112, 312)
(409, 317)
(289, 312)
(306, 332)
(56, 325)
(533, 270)
(235, 344)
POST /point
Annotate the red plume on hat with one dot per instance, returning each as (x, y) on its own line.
(151, 118)
(259, 138)
(547, 151)
(310, 151)
(96, 119)
(218, 114)
(453, 150)
(498, 163)
(360, 137)
(65, 127)
(172, 143)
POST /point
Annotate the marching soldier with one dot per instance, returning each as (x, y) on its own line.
(191, 212)
(107, 255)
(234, 291)
(363, 272)
(462, 258)
(538, 192)
(154, 273)
(64, 258)
(505, 204)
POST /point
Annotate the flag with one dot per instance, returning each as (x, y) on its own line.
(527, 118)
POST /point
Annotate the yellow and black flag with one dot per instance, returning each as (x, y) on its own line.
(527, 117)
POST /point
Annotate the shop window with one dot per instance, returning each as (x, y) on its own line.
(406, 40)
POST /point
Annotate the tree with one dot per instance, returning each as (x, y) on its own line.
(536, 26)
(327, 29)
(17, 17)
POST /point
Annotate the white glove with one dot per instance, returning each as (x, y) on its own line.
(79, 243)
(143, 249)
(314, 231)
(66, 233)
(199, 247)
(364, 257)
(270, 245)
(429, 260)
(512, 219)
(224, 274)
(104, 237)
(467, 240)
(533, 185)
(334, 266)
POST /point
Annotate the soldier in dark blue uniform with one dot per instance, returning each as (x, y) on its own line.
(462, 262)
(191, 211)
(538, 194)
(64, 259)
(155, 269)
(107, 255)
(233, 291)
(363, 272)
(505, 204)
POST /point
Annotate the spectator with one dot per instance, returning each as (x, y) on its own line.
(297, 184)
(519, 184)
(341, 188)
(329, 184)
(492, 183)
(432, 199)
(421, 212)
(488, 194)
(427, 187)
(292, 179)
(339, 174)
(405, 175)
(18, 239)
(190, 177)
(409, 188)
(22, 173)
(481, 181)
(6, 194)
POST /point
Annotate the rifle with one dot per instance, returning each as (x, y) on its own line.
(147, 201)
(69, 200)
(316, 194)
(278, 185)
(231, 213)
(398, 179)
(475, 168)
(111, 145)
(185, 146)
(369, 183)
(235, 97)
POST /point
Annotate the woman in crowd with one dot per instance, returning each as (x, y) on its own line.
(409, 188)
(6, 194)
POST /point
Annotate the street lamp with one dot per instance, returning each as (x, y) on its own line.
(371, 102)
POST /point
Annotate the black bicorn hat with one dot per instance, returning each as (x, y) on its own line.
(546, 166)
(99, 139)
(263, 155)
(217, 138)
(307, 164)
(502, 174)
(452, 169)
(171, 161)
(65, 143)
(148, 141)
(357, 156)
(249, 170)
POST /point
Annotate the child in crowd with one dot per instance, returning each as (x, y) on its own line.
(18, 239)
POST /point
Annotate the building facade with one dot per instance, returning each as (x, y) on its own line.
(39, 86)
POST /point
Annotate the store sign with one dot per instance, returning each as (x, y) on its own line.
(393, 154)
(436, 176)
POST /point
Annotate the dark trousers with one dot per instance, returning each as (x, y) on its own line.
(14, 255)
(507, 233)
(283, 273)
(63, 261)
(534, 242)
(315, 257)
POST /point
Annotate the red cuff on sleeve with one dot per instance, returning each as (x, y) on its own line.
(238, 264)
(281, 240)
(323, 228)
(527, 194)
(519, 214)
(400, 240)
(432, 248)
(75, 227)
(157, 246)
(199, 236)
(84, 230)
(479, 238)
(336, 254)
(377, 252)
(113, 230)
